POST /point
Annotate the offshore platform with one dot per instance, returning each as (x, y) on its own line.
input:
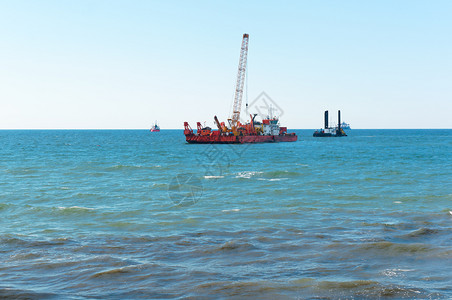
(331, 131)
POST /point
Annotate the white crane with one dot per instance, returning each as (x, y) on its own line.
(237, 105)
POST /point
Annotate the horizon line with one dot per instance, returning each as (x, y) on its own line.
(4, 129)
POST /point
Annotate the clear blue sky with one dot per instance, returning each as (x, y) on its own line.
(124, 64)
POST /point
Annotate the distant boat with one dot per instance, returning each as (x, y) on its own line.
(155, 128)
(331, 131)
(345, 126)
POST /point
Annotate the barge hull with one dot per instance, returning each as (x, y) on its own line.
(196, 139)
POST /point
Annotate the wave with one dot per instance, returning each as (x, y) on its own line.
(239, 289)
(248, 174)
(281, 174)
(122, 167)
(121, 224)
(371, 179)
(46, 211)
(309, 288)
(4, 206)
(72, 210)
(118, 271)
(213, 177)
(160, 185)
(75, 208)
(22, 171)
(23, 256)
(421, 232)
(84, 195)
(395, 272)
(345, 284)
(229, 210)
(12, 293)
(396, 248)
(231, 246)
(143, 270)
(119, 167)
(272, 179)
(275, 175)
(24, 241)
(370, 289)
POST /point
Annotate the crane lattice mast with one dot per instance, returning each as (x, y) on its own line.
(237, 106)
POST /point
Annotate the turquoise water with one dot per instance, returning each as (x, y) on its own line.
(133, 214)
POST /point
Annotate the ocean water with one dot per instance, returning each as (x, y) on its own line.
(129, 214)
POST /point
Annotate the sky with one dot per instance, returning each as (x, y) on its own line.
(92, 64)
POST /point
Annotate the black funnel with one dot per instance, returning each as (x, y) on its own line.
(339, 119)
(326, 119)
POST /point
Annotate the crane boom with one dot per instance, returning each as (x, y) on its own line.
(237, 105)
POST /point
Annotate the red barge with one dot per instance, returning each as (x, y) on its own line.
(267, 131)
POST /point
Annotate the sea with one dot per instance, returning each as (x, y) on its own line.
(130, 214)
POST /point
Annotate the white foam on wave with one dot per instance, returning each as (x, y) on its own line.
(75, 207)
(396, 272)
(213, 177)
(247, 174)
(272, 179)
(398, 202)
(229, 210)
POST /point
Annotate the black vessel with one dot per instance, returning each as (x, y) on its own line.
(330, 131)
